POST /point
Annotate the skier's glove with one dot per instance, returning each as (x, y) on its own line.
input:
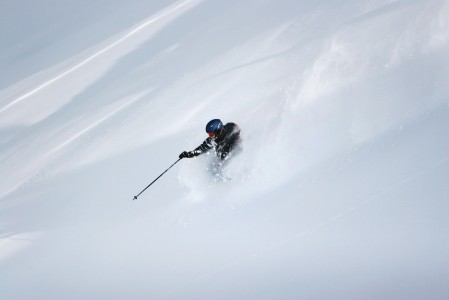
(185, 154)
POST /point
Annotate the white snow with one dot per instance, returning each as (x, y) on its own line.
(340, 190)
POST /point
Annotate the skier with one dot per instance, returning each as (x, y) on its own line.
(224, 138)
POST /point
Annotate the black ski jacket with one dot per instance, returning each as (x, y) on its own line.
(223, 143)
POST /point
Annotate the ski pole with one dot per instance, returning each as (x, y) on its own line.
(135, 197)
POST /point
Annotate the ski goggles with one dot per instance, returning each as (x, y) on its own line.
(215, 134)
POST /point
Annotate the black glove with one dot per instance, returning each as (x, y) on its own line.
(187, 154)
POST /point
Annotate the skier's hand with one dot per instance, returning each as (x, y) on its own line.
(186, 154)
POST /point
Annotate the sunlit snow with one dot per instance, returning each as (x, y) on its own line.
(340, 190)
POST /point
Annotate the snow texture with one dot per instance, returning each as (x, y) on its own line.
(340, 190)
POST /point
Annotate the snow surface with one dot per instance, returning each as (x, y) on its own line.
(341, 188)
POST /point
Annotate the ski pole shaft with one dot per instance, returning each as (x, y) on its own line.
(135, 197)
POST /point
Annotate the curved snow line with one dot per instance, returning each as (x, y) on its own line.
(93, 125)
(16, 242)
(51, 152)
(169, 10)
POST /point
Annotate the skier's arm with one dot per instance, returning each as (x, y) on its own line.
(204, 147)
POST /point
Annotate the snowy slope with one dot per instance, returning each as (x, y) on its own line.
(340, 190)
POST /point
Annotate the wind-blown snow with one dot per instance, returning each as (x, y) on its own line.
(340, 189)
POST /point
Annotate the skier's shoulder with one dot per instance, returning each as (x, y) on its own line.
(232, 128)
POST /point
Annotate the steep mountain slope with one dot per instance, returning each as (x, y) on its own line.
(340, 190)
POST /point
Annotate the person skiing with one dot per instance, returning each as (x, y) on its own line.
(224, 138)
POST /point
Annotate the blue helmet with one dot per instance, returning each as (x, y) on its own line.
(214, 125)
